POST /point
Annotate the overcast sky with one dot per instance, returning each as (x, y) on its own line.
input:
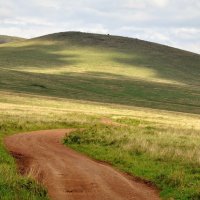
(172, 22)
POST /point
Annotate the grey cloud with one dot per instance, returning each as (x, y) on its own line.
(171, 22)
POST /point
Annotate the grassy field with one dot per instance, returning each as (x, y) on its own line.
(76, 80)
(159, 146)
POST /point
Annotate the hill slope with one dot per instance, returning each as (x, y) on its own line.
(93, 83)
(6, 39)
(103, 68)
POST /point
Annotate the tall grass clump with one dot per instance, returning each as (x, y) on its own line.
(165, 156)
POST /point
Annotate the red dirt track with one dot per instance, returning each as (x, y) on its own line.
(69, 175)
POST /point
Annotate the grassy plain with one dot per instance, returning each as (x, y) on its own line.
(76, 80)
(163, 149)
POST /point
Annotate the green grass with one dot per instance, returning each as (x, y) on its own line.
(103, 69)
(75, 79)
(167, 157)
(145, 145)
(12, 185)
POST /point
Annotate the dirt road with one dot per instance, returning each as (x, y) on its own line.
(69, 175)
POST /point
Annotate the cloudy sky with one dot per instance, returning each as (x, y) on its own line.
(172, 22)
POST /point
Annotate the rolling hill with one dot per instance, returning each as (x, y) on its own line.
(133, 103)
(104, 69)
(6, 39)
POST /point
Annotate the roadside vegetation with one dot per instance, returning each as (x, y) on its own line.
(158, 149)
(16, 119)
(134, 104)
(168, 157)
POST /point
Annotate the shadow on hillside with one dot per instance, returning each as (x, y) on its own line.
(173, 67)
(102, 88)
(35, 56)
(167, 63)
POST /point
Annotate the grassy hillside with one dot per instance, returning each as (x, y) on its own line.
(6, 39)
(79, 80)
(103, 68)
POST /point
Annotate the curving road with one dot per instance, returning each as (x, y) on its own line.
(69, 175)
